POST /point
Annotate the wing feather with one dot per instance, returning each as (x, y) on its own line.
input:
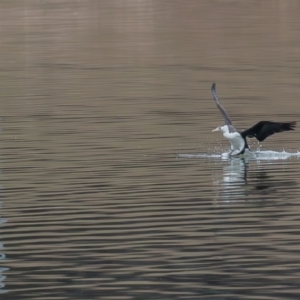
(264, 129)
(220, 107)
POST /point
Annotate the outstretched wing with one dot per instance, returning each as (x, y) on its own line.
(263, 129)
(220, 107)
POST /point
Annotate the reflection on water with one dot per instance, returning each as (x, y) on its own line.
(98, 98)
(240, 182)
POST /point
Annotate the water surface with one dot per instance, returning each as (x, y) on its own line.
(113, 185)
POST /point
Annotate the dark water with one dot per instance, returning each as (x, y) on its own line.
(102, 105)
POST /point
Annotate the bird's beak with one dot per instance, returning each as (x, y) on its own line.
(217, 129)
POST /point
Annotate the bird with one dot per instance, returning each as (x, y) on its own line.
(260, 131)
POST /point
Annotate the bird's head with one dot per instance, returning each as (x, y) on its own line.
(223, 128)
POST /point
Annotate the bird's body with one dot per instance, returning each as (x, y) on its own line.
(238, 143)
(260, 131)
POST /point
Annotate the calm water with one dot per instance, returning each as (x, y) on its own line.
(112, 182)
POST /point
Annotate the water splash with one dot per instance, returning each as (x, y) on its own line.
(253, 155)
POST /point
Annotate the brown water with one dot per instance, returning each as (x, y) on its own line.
(100, 102)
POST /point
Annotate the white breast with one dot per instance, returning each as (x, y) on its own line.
(236, 141)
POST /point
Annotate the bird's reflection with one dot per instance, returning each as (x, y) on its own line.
(236, 171)
(245, 179)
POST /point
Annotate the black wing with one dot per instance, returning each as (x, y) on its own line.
(220, 107)
(263, 129)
